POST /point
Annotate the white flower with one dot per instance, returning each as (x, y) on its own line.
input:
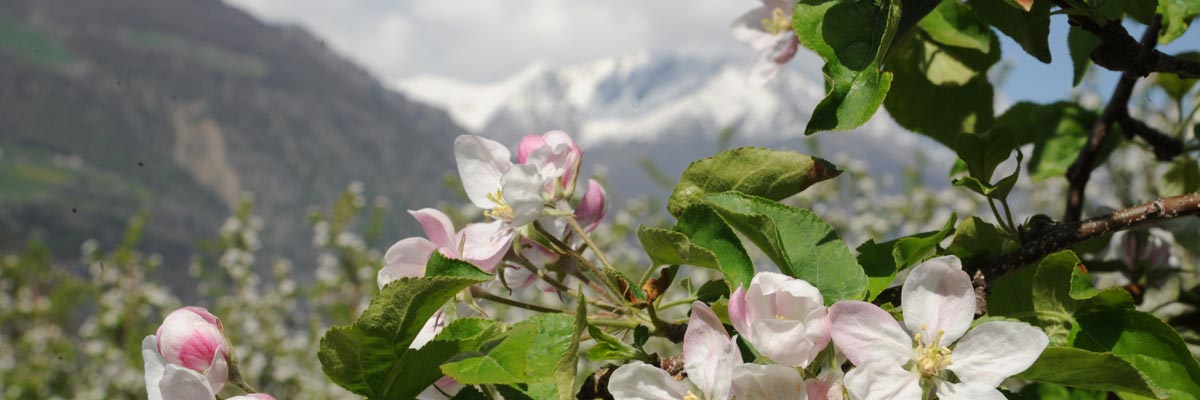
(169, 381)
(938, 302)
(475, 244)
(714, 370)
(768, 29)
(509, 194)
(783, 317)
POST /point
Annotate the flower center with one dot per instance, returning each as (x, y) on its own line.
(932, 360)
(502, 211)
(691, 396)
(779, 22)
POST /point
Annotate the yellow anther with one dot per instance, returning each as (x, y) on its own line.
(932, 360)
(691, 396)
(502, 211)
(779, 22)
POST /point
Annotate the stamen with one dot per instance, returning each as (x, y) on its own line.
(779, 22)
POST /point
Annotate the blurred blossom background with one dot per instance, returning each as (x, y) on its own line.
(256, 157)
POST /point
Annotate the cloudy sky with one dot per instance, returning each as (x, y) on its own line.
(487, 40)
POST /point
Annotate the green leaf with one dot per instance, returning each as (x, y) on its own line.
(1182, 177)
(372, 358)
(941, 91)
(705, 229)
(983, 152)
(883, 261)
(976, 240)
(1147, 343)
(1058, 131)
(608, 347)
(953, 24)
(1081, 43)
(528, 353)
(853, 38)
(568, 364)
(668, 247)
(1177, 14)
(798, 241)
(773, 174)
(1029, 29)
(1087, 370)
(440, 265)
(1175, 87)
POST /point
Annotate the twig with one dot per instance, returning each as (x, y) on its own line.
(1118, 106)
(483, 294)
(1165, 147)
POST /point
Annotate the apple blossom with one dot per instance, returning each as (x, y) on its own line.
(783, 317)
(938, 304)
(593, 207)
(193, 338)
(768, 29)
(714, 370)
(165, 380)
(510, 195)
(555, 155)
(1153, 252)
(475, 244)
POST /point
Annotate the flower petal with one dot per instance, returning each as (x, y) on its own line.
(827, 385)
(406, 258)
(523, 192)
(879, 380)
(863, 331)
(708, 353)
(218, 372)
(996, 350)
(938, 297)
(528, 144)
(437, 225)
(485, 244)
(749, 29)
(640, 381)
(753, 382)
(155, 365)
(967, 391)
(180, 383)
(740, 314)
(786, 341)
(481, 164)
(432, 327)
(592, 207)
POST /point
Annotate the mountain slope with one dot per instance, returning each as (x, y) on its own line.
(670, 109)
(177, 107)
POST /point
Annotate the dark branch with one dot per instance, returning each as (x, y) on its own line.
(1165, 147)
(1066, 234)
(1118, 51)
(1118, 107)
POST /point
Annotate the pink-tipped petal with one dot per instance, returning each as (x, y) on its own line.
(863, 331)
(437, 225)
(485, 244)
(753, 381)
(708, 353)
(739, 313)
(405, 259)
(593, 207)
(192, 338)
(938, 300)
(528, 144)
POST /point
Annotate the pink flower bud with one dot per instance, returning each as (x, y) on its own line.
(528, 144)
(557, 156)
(193, 338)
(593, 207)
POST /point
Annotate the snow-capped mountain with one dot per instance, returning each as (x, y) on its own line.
(669, 109)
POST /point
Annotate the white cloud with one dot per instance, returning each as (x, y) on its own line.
(484, 40)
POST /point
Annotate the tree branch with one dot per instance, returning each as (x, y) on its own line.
(1118, 107)
(1066, 234)
(1118, 51)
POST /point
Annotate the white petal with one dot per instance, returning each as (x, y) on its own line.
(437, 225)
(481, 164)
(640, 381)
(523, 192)
(430, 330)
(882, 381)
(784, 341)
(154, 366)
(997, 350)
(406, 258)
(218, 372)
(767, 382)
(708, 353)
(938, 297)
(863, 331)
(179, 383)
(749, 29)
(827, 385)
(485, 244)
(967, 391)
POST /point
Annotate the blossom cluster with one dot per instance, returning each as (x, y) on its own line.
(936, 351)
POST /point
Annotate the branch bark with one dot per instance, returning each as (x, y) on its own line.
(1118, 51)
(1118, 107)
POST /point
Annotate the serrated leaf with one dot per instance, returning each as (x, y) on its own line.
(608, 347)
(370, 356)
(668, 247)
(516, 358)
(881, 262)
(853, 52)
(440, 265)
(1087, 370)
(954, 24)
(1030, 29)
(976, 240)
(798, 241)
(1181, 178)
(568, 363)
(704, 228)
(1081, 43)
(1147, 343)
(773, 174)
(1177, 14)
(911, 250)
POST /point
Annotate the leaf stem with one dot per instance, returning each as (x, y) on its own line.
(483, 294)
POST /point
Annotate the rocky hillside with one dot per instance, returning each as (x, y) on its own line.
(177, 107)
